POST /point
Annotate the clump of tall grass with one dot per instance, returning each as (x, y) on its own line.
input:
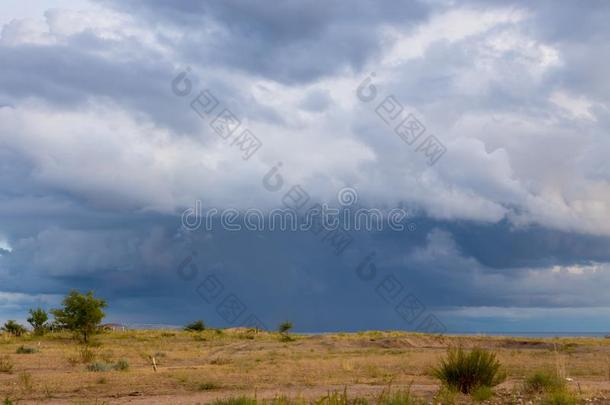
(83, 355)
(464, 371)
(25, 381)
(243, 400)
(446, 396)
(387, 397)
(562, 397)
(6, 365)
(86, 355)
(552, 385)
(121, 365)
(396, 397)
(482, 393)
(543, 381)
(338, 398)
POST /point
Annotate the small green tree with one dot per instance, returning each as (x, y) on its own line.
(38, 319)
(81, 313)
(13, 328)
(285, 327)
(196, 326)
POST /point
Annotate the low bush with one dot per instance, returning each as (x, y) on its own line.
(482, 393)
(543, 381)
(285, 327)
(26, 350)
(99, 367)
(197, 326)
(465, 371)
(13, 328)
(243, 400)
(208, 386)
(121, 365)
(220, 361)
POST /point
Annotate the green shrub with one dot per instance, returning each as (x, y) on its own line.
(482, 393)
(398, 397)
(465, 371)
(99, 366)
(543, 381)
(561, 397)
(243, 400)
(13, 328)
(285, 327)
(121, 365)
(197, 326)
(26, 350)
(207, 386)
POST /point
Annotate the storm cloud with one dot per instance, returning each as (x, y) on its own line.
(100, 156)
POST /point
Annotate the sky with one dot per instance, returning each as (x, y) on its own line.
(487, 121)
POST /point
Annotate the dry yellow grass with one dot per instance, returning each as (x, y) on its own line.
(199, 367)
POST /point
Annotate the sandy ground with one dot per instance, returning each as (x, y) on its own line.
(197, 368)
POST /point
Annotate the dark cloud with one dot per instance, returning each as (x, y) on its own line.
(296, 275)
(290, 42)
(67, 76)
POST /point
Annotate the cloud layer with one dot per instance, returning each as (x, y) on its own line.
(99, 156)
